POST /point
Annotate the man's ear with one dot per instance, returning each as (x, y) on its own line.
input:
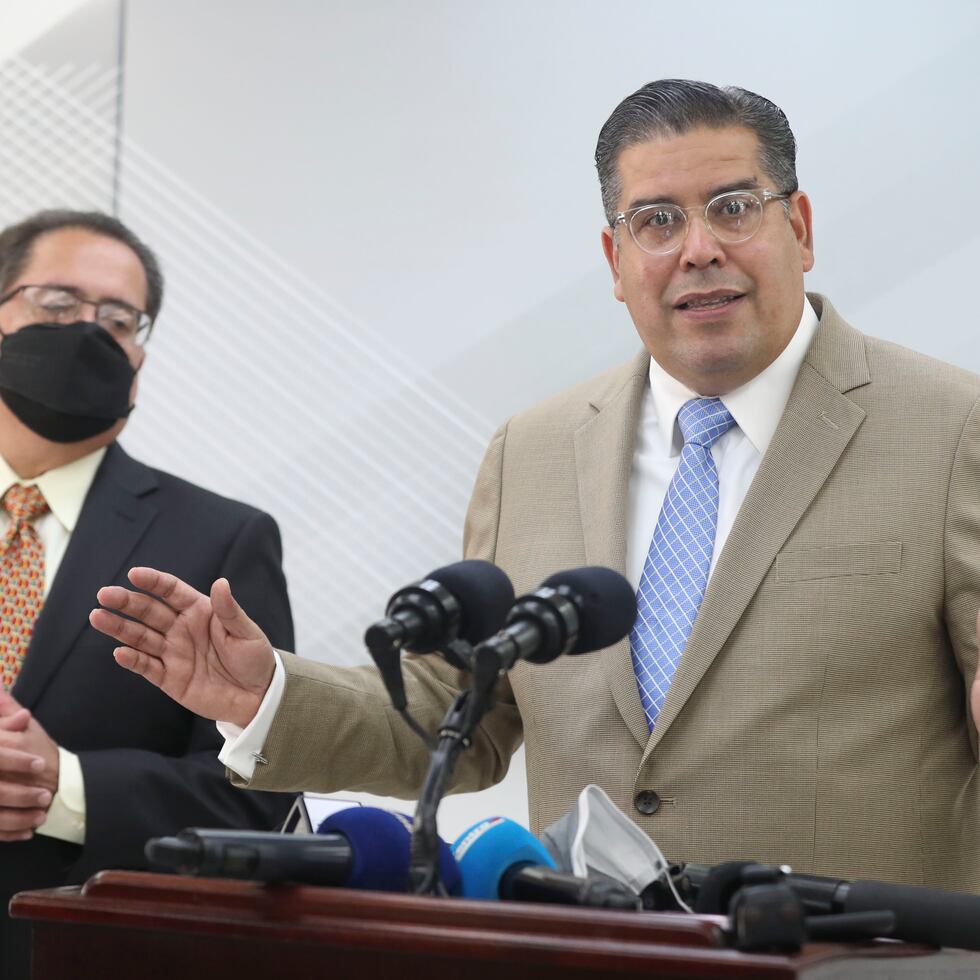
(610, 248)
(801, 220)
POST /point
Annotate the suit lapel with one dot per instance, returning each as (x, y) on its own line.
(603, 458)
(113, 519)
(816, 426)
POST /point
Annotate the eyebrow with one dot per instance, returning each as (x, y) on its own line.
(78, 294)
(748, 184)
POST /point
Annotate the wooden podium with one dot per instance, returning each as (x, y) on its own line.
(127, 924)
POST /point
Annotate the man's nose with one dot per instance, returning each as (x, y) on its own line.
(700, 249)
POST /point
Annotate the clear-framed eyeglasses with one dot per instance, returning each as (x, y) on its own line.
(660, 229)
(59, 304)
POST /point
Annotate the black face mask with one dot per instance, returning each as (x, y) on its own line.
(66, 383)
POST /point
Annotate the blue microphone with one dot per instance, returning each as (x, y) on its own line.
(498, 858)
(360, 847)
(380, 844)
(491, 851)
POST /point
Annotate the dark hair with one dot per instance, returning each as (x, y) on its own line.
(673, 106)
(17, 241)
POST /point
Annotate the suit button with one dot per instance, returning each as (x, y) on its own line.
(647, 802)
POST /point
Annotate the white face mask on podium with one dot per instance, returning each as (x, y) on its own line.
(596, 839)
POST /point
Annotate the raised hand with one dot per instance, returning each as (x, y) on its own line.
(202, 651)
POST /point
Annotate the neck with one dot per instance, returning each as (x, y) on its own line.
(29, 455)
(29, 460)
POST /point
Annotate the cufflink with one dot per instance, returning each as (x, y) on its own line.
(260, 758)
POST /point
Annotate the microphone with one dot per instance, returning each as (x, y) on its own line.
(922, 915)
(381, 844)
(573, 612)
(498, 858)
(464, 601)
(360, 847)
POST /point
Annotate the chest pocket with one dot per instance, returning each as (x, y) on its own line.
(838, 561)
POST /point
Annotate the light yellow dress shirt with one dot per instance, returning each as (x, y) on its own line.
(65, 489)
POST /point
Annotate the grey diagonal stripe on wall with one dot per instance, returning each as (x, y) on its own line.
(258, 384)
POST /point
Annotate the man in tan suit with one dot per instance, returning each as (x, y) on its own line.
(808, 695)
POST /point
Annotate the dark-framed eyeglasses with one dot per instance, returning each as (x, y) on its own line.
(61, 304)
(734, 217)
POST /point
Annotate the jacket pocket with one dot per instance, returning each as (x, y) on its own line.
(837, 561)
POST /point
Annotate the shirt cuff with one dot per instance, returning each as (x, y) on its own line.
(243, 746)
(66, 815)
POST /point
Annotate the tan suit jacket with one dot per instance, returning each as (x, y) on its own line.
(819, 714)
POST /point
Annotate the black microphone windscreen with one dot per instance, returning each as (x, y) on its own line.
(605, 601)
(922, 915)
(484, 592)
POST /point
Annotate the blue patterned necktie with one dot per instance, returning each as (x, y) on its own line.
(676, 570)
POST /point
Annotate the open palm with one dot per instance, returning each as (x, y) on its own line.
(202, 651)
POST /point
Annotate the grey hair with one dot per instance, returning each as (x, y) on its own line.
(674, 106)
(17, 241)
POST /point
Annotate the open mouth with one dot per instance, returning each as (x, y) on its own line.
(712, 302)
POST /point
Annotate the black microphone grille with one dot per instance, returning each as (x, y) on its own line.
(606, 605)
(484, 592)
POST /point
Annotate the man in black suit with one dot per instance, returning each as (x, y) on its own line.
(92, 760)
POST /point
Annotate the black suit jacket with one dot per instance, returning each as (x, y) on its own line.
(150, 767)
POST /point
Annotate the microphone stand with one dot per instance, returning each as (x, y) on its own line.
(423, 871)
(381, 644)
(455, 733)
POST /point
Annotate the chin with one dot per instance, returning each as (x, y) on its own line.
(714, 359)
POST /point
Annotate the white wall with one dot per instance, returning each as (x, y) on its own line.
(23, 23)
(380, 224)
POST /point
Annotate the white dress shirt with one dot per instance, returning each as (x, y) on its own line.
(65, 490)
(756, 407)
(243, 747)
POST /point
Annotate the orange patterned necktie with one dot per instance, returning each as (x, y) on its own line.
(21, 578)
